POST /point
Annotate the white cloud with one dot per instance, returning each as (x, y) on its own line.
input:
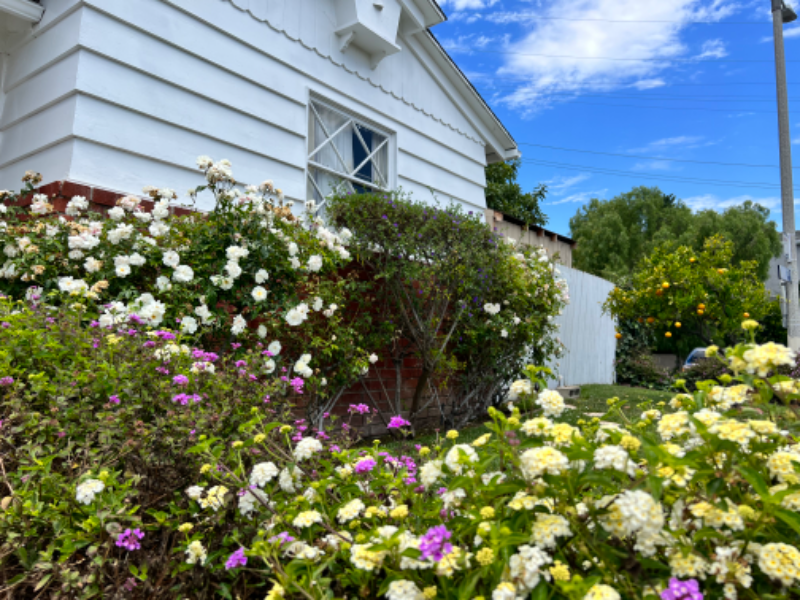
(471, 41)
(658, 36)
(649, 84)
(679, 142)
(714, 202)
(560, 183)
(579, 197)
(788, 33)
(468, 4)
(653, 165)
(712, 49)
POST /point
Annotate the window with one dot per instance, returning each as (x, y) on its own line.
(344, 153)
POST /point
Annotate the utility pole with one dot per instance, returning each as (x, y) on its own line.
(782, 14)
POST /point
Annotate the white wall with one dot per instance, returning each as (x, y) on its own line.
(121, 94)
(586, 332)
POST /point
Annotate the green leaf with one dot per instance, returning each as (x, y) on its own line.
(790, 518)
(755, 479)
(43, 582)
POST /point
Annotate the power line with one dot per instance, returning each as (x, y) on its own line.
(645, 175)
(618, 58)
(724, 110)
(651, 97)
(617, 83)
(538, 18)
(638, 156)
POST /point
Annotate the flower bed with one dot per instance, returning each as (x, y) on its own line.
(156, 491)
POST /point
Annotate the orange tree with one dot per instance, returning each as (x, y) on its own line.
(680, 292)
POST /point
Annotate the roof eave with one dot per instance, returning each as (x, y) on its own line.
(507, 149)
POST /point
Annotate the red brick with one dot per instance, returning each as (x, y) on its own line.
(51, 189)
(59, 204)
(105, 197)
(70, 189)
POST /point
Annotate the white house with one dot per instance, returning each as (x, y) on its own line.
(117, 94)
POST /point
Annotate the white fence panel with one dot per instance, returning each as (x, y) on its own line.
(586, 331)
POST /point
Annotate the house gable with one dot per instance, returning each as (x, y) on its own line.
(430, 82)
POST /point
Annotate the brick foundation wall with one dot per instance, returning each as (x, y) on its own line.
(100, 200)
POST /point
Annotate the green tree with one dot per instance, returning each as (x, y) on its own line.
(615, 235)
(747, 225)
(504, 194)
(680, 292)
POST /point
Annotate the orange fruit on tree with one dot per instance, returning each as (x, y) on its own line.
(691, 260)
(678, 324)
(700, 312)
(720, 271)
(701, 306)
(618, 336)
(668, 334)
(665, 285)
(651, 320)
(746, 315)
(659, 292)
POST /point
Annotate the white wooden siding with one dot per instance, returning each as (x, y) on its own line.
(586, 332)
(132, 92)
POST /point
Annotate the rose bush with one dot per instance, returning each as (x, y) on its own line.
(250, 270)
(124, 480)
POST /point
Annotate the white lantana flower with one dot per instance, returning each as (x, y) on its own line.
(195, 492)
(552, 403)
(263, 473)
(85, 492)
(196, 553)
(306, 448)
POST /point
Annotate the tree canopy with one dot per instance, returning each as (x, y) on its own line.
(680, 292)
(504, 194)
(615, 235)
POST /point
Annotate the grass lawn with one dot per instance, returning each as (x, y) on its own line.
(592, 400)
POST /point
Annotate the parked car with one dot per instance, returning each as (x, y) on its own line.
(695, 356)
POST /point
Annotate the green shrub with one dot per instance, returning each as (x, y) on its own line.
(153, 498)
(246, 270)
(470, 306)
(634, 362)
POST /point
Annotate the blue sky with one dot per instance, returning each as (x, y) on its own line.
(706, 93)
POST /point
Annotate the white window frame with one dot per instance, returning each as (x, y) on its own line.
(349, 178)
